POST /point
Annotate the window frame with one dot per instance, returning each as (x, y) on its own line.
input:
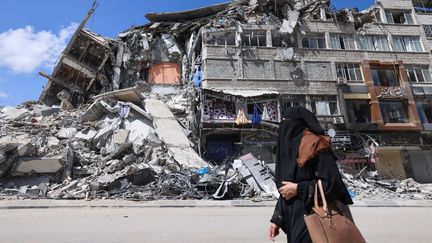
(350, 103)
(405, 110)
(315, 38)
(293, 101)
(346, 72)
(224, 35)
(416, 70)
(251, 37)
(374, 43)
(390, 16)
(406, 43)
(330, 101)
(337, 39)
(425, 117)
(396, 72)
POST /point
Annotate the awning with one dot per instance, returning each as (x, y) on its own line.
(245, 92)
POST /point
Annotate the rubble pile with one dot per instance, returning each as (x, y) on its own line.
(109, 149)
(371, 189)
(120, 118)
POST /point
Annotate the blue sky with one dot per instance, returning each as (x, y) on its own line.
(33, 33)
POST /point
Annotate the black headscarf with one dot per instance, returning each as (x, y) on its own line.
(294, 121)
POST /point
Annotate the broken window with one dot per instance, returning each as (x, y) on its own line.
(292, 101)
(399, 17)
(227, 38)
(385, 77)
(358, 111)
(281, 40)
(428, 30)
(349, 71)
(374, 43)
(394, 111)
(425, 111)
(342, 41)
(324, 105)
(254, 38)
(418, 73)
(314, 41)
(87, 51)
(407, 43)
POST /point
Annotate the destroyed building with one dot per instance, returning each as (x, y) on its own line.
(197, 88)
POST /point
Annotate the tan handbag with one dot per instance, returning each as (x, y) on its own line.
(327, 225)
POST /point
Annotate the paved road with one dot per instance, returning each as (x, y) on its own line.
(395, 225)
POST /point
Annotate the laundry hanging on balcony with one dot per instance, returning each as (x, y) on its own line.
(256, 118)
(265, 115)
(241, 118)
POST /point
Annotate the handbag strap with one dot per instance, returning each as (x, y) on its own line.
(319, 186)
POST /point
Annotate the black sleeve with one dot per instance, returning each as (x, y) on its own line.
(278, 215)
(334, 188)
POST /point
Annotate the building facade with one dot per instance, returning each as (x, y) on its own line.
(365, 75)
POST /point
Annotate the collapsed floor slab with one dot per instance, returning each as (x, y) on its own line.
(171, 133)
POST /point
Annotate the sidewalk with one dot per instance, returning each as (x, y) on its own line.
(40, 204)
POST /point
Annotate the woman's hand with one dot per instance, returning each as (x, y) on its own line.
(273, 231)
(288, 190)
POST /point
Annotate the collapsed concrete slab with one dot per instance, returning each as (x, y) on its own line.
(171, 133)
(263, 179)
(29, 165)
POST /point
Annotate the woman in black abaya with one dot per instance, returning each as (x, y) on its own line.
(296, 184)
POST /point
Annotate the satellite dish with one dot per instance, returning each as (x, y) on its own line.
(331, 132)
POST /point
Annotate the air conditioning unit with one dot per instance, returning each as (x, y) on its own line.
(342, 81)
(338, 120)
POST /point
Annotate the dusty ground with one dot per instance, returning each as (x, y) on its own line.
(224, 224)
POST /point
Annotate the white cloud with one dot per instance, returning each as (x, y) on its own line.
(3, 95)
(23, 50)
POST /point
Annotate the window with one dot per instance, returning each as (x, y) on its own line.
(221, 38)
(385, 77)
(315, 41)
(374, 43)
(292, 101)
(399, 17)
(407, 43)
(358, 111)
(349, 71)
(280, 40)
(425, 112)
(342, 41)
(418, 73)
(394, 112)
(428, 30)
(254, 38)
(324, 105)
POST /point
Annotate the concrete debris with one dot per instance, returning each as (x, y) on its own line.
(124, 118)
(262, 178)
(372, 189)
(26, 166)
(171, 133)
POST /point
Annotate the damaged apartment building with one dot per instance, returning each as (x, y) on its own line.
(203, 87)
(366, 75)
